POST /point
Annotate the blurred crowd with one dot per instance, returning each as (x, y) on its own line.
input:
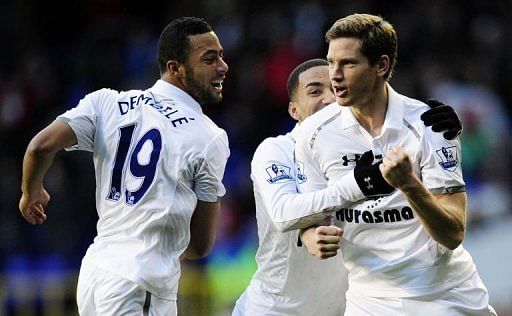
(54, 54)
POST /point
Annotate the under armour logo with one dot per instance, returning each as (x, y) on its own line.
(369, 186)
(346, 160)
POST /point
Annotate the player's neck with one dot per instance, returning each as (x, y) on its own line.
(372, 113)
(174, 81)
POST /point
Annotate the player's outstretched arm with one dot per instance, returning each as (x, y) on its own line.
(203, 228)
(291, 210)
(442, 216)
(38, 158)
(322, 241)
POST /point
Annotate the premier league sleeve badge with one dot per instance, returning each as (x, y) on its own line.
(278, 174)
(448, 157)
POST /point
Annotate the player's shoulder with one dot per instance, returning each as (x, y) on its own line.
(322, 119)
(205, 132)
(319, 118)
(102, 94)
(271, 147)
(119, 94)
(107, 97)
(412, 108)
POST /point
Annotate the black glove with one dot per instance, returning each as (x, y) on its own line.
(442, 117)
(368, 177)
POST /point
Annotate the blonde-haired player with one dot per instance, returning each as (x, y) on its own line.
(403, 250)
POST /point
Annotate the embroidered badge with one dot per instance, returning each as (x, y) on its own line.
(278, 174)
(448, 156)
(301, 177)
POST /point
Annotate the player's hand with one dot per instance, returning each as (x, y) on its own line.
(32, 207)
(322, 241)
(442, 117)
(369, 178)
(396, 167)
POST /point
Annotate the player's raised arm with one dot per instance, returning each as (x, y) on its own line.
(443, 216)
(273, 173)
(290, 210)
(38, 158)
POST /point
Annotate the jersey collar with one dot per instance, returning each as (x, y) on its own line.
(294, 133)
(168, 90)
(394, 114)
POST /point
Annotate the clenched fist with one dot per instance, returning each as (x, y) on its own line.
(396, 167)
(323, 241)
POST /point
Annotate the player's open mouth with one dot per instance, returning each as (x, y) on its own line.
(217, 84)
(340, 92)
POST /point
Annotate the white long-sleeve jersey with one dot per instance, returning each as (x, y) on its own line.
(155, 154)
(385, 248)
(289, 281)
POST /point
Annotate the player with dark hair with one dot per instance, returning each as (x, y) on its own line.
(402, 244)
(159, 163)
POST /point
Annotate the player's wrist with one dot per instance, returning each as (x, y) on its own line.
(369, 177)
(300, 241)
(305, 234)
(413, 184)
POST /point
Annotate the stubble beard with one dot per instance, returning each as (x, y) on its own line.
(197, 91)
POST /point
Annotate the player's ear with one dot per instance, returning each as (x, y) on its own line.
(175, 68)
(382, 65)
(293, 110)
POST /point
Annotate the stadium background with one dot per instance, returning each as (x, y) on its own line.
(53, 54)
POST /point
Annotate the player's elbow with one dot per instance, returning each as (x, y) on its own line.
(455, 240)
(280, 224)
(277, 216)
(40, 146)
(452, 245)
(205, 250)
(458, 235)
(37, 149)
(198, 250)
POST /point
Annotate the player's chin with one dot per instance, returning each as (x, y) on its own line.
(216, 97)
(342, 101)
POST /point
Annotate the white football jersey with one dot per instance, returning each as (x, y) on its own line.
(385, 248)
(289, 281)
(155, 154)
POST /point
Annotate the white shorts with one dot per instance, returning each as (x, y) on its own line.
(468, 299)
(256, 302)
(254, 305)
(102, 293)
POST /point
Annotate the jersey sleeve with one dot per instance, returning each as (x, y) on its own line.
(440, 164)
(305, 155)
(209, 170)
(82, 119)
(274, 174)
